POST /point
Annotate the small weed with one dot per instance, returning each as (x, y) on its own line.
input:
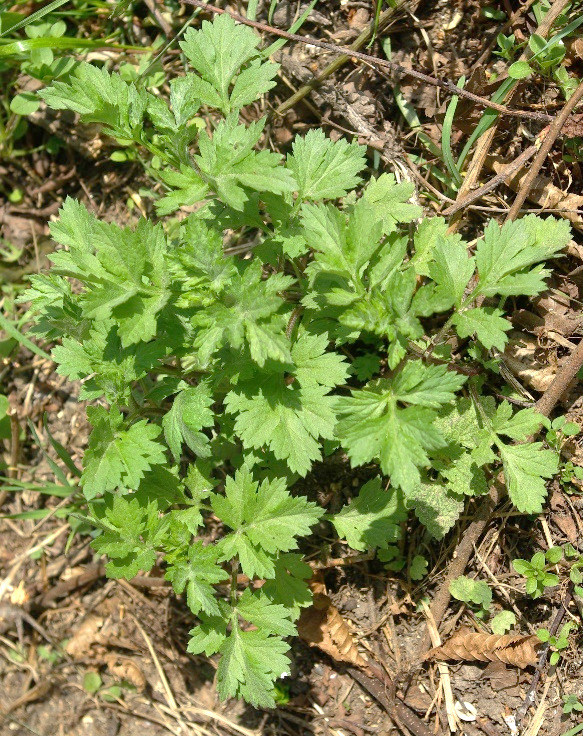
(572, 704)
(476, 593)
(536, 571)
(503, 622)
(558, 642)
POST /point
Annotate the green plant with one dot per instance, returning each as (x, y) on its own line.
(216, 382)
(507, 45)
(558, 431)
(558, 642)
(477, 593)
(575, 560)
(536, 571)
(281, 694)
(493, 13)
(546, 56)
(395, 561)
(503, 622)
(572, 704)
(93, 684)
(38, 55)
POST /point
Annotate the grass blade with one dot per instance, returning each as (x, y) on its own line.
(446, 135)
(60, 450)
(574, 730)
(252, 9)
(13, 48)
(8, 327)
(47, 489)
(276, 45)
(486, 121)
(61, 513)
(33, 17)
(54, 467)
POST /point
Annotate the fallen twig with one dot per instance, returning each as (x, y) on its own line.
(495, 181)
(561, 381)
(382, 690)
(460, 559)
(475, 530)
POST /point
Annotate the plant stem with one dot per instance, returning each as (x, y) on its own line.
(234, 573)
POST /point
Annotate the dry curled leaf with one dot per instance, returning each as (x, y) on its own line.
(521, 356)
(321, 625)
(125, 668)
(86, 635)
(513, 649)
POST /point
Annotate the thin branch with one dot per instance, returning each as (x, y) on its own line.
(494, 182)
(529, 699)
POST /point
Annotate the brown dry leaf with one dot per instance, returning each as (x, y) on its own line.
(573, 127)
(468, 113)
(86, 635)
(513, 649)
(520, 357)
(501, 678)
(543, 193)
(321, 625)
(124, 668)
(560, 312)
(574, 51)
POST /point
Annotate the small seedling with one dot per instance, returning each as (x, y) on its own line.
(572, 704)
(418, 567)
(92, 682)
(558, 642)
(475, 593)
(503, 622)
(536, 571)
(281, 693)
(559, 430)
(396, 562)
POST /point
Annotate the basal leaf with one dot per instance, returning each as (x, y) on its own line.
(372, 518)
(325, 169)
(189, 414)
(118, 456)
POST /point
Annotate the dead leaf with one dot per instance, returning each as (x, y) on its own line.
(124, 668)
(501, 678)
(560, 311)
(574, 52)
(19, 595)
(419, 700)
(519, 651)
(543, 193)
(520, 357)
(322, 626)
(86, 635)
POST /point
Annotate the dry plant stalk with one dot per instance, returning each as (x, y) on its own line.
(513, 649)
